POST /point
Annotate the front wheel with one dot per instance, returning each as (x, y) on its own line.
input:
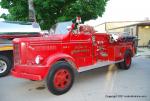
(60, 78)
(127, 61)
(5, 65)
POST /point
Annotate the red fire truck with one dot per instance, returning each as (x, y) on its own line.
(68, 50)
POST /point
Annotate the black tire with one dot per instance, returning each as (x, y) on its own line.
(5, 61)
(56, 68)
(125, 65)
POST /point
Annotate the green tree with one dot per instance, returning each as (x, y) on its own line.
(48, 12)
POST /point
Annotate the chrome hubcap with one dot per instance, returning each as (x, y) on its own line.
(3, 66)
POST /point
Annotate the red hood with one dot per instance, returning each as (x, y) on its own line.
(58, 37)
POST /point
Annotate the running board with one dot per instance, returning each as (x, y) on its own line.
(97, 65)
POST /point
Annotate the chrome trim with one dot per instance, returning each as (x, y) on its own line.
(97, 65)
(3, 66)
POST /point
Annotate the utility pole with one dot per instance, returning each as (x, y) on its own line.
(32, 16)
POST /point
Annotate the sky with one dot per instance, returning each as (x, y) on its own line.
(3, 11)
(121, 10)
(124, 10)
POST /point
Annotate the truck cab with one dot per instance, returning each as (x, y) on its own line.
(8, 31)
(68, 49)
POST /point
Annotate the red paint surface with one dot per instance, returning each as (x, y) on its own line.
(81, 49)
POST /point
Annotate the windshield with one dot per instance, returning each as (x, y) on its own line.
(60, 28)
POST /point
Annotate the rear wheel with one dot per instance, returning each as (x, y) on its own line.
(60, 78)
(5, 65)
(127, 61)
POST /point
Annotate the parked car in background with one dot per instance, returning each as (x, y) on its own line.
(9, 31)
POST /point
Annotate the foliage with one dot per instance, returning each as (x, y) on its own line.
(48, 12)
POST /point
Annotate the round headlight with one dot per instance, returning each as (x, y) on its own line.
(37, 59)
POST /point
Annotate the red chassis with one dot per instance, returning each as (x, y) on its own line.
(57, 56)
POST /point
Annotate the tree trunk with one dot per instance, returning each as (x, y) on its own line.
(32, 16)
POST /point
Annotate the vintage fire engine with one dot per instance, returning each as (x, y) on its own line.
(58, 56)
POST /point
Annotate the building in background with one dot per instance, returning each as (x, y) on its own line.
(141, 29)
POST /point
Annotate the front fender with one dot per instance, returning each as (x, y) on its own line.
(57, 57)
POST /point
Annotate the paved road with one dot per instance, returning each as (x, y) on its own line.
(103, 84)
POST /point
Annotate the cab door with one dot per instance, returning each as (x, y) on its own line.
(81, 48)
